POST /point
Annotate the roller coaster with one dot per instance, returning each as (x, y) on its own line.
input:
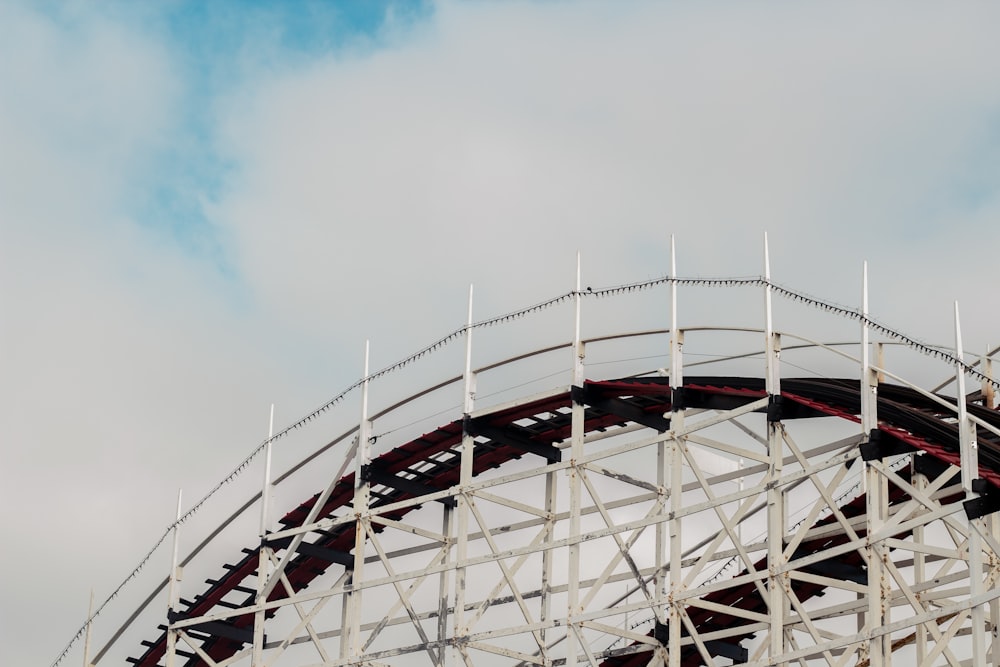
(657, 518)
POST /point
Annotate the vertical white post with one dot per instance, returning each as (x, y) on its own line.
(993, 524)
(969, 452)
(920, 482)
(880, 362)
(548, 556)
(676, 335)
(968, 447)
(469, 391)
(575, 500)
(345, 617)
(676, 479)
(551, 486)
(772, 375)
(86, 637)
(989, 393)
(876, 496)
(877, 503)
(775, 497)
(920, 574)
(173, 594)
(869, 381)
(444, 590)
(265, 495)
(362, 494)
(264, 561)
(578, 351)
(464, 480)
(992, 521)
(740, 463)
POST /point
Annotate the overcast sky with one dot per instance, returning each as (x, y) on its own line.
(208, 207)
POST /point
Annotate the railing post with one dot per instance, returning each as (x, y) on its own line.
(86, 637)
(676, 458)
(989, 393)
(173, 593)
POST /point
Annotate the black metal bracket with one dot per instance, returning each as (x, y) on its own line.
(661, 632)
(678, 398)
(929, 466)
(879, 446)
(987, 503)
(835, 569)
(734, 652)
(775, 407)
(716, 647)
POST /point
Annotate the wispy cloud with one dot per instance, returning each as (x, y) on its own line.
(208, 206)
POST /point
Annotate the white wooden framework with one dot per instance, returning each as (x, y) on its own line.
(671, 519)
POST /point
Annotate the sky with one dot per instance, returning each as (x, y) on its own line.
(206, 208)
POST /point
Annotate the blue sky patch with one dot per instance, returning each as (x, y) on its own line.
(216, 47)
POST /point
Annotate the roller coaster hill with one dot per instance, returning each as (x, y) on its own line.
(664, 495)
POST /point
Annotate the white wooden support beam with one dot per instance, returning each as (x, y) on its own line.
(869, 378)
(772, 369)
(266, 489)
(264, 555)
(676, 479)
(573, 647)
(989, 392)
(993, 525)
(298, 534)
(660, 550)
(777, 601)
(459, 627)
(879, 647)
(876, 499)
(305, 620)
(362, 496)
(920, 483)
(455, 521)
(551, 492)
(345, 614)
(969, 452)
(444, 586)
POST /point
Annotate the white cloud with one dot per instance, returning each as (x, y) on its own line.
(486, 145)
(120, 360)
(528, 133)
